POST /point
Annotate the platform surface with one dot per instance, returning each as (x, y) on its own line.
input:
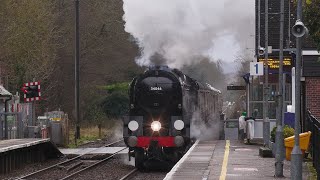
(195, 164)
(102, 150)
(11, 144)
(231, 160)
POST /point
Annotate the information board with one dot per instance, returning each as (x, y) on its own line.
(273, 62)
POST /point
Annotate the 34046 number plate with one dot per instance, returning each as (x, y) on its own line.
(155, 88)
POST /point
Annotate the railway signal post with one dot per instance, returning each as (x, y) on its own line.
(32, 93)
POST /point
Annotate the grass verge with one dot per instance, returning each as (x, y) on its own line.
(88, 134)
(312, 171)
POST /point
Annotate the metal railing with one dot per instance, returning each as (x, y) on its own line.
(313, 125)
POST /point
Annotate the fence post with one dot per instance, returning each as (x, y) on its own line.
(315, 158)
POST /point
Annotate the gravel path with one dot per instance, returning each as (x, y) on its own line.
(110, 170)
(30, 168)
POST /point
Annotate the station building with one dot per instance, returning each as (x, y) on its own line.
(310, 75)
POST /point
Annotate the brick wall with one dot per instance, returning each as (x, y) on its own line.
(313, 95)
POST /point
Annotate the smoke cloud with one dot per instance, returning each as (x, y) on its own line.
(205, 131)
(181, 30)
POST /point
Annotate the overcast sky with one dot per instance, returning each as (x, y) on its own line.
(181, 30)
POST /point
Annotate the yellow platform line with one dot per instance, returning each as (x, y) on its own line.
(225, 161)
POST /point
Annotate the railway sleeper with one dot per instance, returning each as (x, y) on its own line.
(94, 156)
(74, 166)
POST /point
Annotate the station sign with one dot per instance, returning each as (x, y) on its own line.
(232, 124)
(274, 62)
(256, 68)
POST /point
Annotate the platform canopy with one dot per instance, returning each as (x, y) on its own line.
(4, 94)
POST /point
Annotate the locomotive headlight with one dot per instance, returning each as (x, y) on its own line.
(133, 125)
(155, 125)
(178, 125)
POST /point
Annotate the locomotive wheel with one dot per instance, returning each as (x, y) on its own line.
(139, 158)
(177, 156)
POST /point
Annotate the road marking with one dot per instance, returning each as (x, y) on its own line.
(225, 161)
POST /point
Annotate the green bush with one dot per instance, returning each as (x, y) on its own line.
(116, 104)
(287, 132)
(273, 134)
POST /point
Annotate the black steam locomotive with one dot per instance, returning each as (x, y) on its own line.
(164, 105)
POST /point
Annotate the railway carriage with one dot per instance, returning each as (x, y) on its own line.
(164, 105)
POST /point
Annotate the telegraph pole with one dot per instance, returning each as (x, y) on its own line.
(296, 155)
(77, 82)
(279, 132)
(266, 121)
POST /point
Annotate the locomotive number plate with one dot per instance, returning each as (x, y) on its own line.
(156, 89)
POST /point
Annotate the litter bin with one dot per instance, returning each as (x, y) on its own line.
(304, 143)
(249, 129)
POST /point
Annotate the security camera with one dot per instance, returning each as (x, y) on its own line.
(299, 30)
(261, 51)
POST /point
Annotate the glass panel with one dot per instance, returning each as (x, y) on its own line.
(257, 93)
(259, 107)
(272, 110)
(273, 92)
(288, 92)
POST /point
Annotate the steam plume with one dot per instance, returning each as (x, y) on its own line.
(180, 30)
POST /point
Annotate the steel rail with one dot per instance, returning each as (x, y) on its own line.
(64, 162)
(127, 176)
(93, 165)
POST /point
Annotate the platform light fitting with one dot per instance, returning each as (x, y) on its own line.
(261, 51)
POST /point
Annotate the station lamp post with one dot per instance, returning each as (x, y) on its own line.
(298, 30)
(279, 132)
(266, 121)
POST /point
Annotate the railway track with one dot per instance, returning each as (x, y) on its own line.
(130, 174)
(69, 168)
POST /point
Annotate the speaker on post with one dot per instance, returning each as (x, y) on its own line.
(299, 30)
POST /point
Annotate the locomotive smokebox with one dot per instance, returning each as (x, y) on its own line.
(158, 91)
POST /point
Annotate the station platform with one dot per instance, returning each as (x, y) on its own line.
(92, 151)
(15, 153)
(224, 159)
